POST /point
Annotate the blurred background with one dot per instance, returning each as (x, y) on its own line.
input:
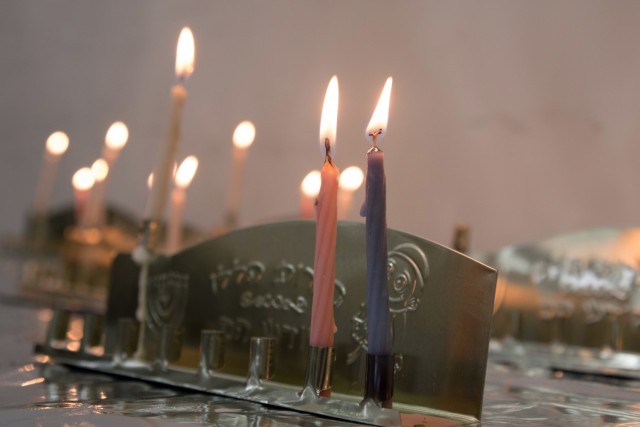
(519, 119)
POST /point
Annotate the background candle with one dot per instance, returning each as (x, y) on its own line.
(324, 267)
(309, 189)
(350, 180)
(94, 217)
(56, 145)
(184, 175)
(82, 182)
(184, 67)
(378, 317)
(243, 137)
(115, 139)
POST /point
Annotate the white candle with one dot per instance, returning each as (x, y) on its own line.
(183, 178)
(82, 182)
(94, 210)
(309, 190)
(243, 137)
(56, 146)
(184, 67)
(115, 139)
(350, 180)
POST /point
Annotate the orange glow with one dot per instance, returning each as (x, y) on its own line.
(100, 170)
(57, 143)
(185, 55)
(311, 184)
(351, 178)
(186, 171)
(244, 135)
(150, 181)
(117, 136)
(83, 179)
(380, 117)
(329, 119)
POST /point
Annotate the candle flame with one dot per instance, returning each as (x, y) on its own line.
(186, 171)
(244, 135)
(100, 170)
(311, 184)
(185, 55)
(378, 123)
(83, 179)
(329, 120)
(150, 181)
(117, 136)
(351, 178)
(57, 143)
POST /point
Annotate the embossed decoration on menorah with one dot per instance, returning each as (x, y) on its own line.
(408, 270)
(167, 300)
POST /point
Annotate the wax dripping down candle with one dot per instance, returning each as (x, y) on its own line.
(184, 68)
(243, 137)
(55, 147)
(374, 208)
(183, 178)
(324, 269)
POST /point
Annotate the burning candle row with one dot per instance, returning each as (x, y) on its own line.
(323, 328)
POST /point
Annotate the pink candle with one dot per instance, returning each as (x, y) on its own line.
(322, 323)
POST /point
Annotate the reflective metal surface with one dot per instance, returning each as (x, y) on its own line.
(257, 282)
(577, 294)
(53, 396)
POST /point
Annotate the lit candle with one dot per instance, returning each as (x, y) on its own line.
(324, 267)
(183, 178)
(147, 204)
(309, 189)
(115, 139)
(93, 216)
(350, 180)
(243, 137)
(374, 208)
(184, 67)
(56, 146)
(82, 182)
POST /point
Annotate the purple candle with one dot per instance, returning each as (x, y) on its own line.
(374, 209)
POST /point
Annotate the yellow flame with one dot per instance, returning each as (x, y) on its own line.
(150, 181)
(83, 179)
(32, 382)
(329, 120)
(185, 55)
(57, 143)
(351, 178)
(244, 134)
(117, 136)
(311, 184)
(186, 171)
(100, 170)
(380, 117)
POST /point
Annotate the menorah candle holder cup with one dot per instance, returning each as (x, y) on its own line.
(241, 303)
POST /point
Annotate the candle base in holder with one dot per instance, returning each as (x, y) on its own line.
(378, 380)
(319, 370)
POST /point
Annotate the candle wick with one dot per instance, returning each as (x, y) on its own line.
(327, 150)
(181, 79)
(374, 137)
